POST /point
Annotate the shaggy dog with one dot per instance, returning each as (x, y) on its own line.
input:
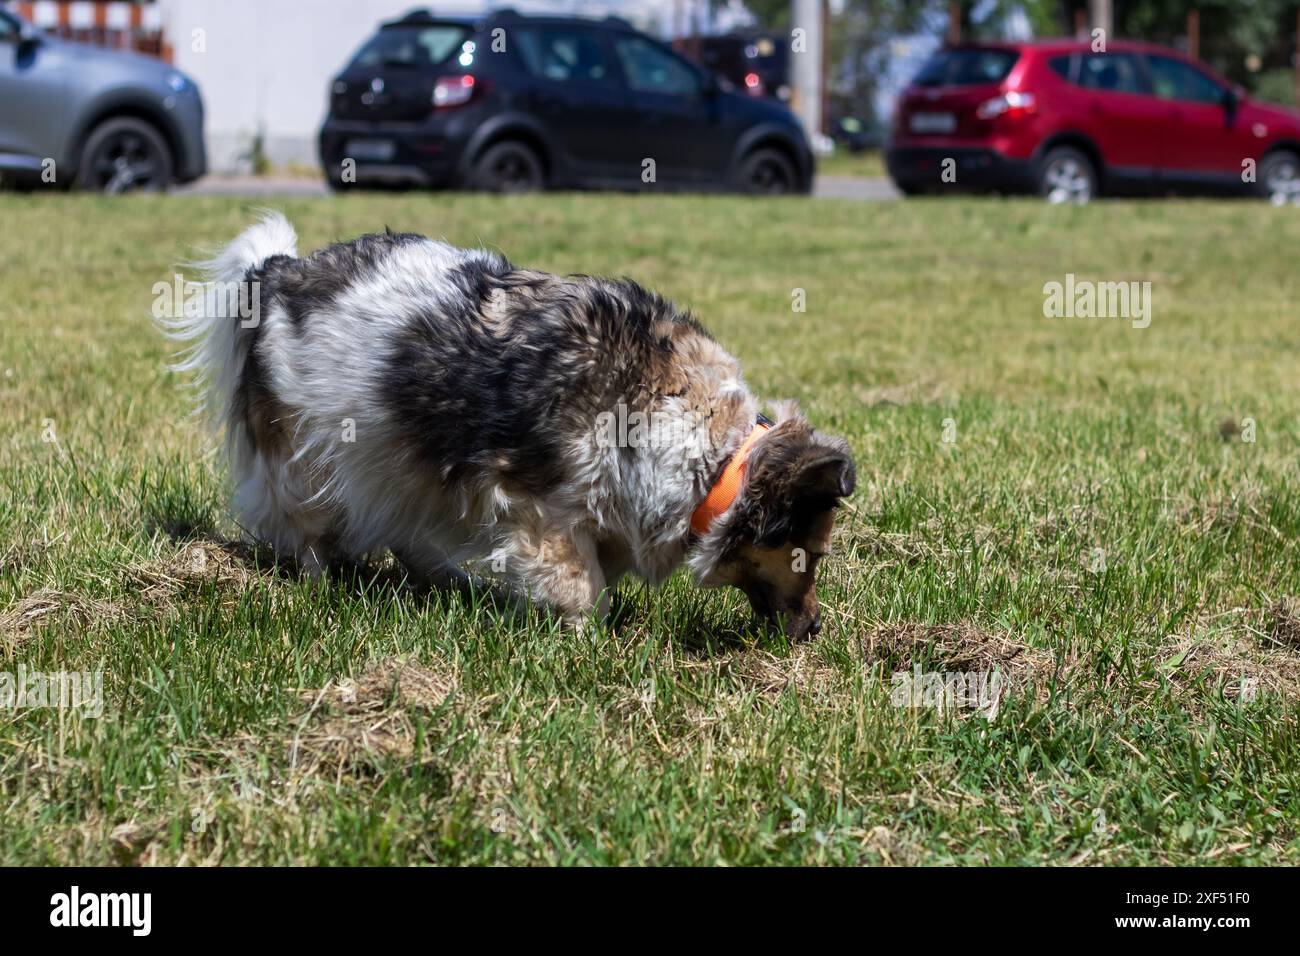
(394, 392)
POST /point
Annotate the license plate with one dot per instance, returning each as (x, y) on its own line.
(370, 150)
(933, 122)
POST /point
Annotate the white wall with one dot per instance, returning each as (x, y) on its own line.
(267, 63)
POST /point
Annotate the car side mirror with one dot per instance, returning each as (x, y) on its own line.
(29, 38)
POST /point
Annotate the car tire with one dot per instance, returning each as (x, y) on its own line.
(1066, 174)
(1279, 177)
(766, 172)
(508, 167)
(910, 189)
(124, 154)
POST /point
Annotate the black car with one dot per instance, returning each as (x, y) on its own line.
(511, 103)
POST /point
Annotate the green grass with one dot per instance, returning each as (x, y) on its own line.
(869, 164)
(676, 737)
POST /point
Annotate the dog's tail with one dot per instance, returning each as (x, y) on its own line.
(219, 331)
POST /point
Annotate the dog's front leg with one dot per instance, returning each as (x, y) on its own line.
(558, 567)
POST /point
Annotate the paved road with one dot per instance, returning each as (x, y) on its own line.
(852, 187)
(826, 187)
(253, 186)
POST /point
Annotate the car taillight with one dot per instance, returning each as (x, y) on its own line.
(1011, 104)
(453, 90)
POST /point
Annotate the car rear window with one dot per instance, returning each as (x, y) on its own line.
(966, 66)
(563, 54)
(414, 46)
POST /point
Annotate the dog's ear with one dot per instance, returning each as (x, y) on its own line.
(825, 472)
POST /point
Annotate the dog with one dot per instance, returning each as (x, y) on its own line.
(395, 392)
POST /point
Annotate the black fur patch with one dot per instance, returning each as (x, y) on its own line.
(503, 394)
(314, 283)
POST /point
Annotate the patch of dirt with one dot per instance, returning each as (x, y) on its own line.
(152, 583)
(19, 619)
(133, 844)
(965, 649)
(208, 560)
(1283, 624)
(351, 721)
(955, 647)
(1235, 660)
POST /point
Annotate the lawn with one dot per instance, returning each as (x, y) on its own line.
(1106, 516)
(869, 164)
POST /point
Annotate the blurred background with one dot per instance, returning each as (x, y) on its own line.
(265, 67)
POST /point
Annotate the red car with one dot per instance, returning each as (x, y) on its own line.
(1055, 118)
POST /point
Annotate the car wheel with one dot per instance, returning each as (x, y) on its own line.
(1279, 177)
(124, 154)
(1067, 175)
(910, 189)
(766, 172)
(509, 167)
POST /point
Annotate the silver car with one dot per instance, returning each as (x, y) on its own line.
(78, 115)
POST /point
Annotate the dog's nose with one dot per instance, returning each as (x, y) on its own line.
(816, 627)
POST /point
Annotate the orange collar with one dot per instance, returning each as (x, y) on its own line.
(725, 489)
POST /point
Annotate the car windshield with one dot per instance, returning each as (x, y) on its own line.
(422, 46)
(966, 66)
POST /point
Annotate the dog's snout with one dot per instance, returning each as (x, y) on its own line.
(815, 627)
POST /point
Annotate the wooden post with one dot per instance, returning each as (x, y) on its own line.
(954, 22)
(805, 70)
(1080, 24)
(1194, 34)
(1100, 15)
